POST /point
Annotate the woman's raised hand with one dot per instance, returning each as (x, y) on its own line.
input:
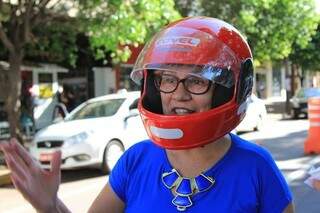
(37, 185)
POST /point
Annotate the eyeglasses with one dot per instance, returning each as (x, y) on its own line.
(167, 83)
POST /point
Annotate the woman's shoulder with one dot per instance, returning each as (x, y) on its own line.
(143, 146)
(250, 149)
(140, 156)
(142, 149)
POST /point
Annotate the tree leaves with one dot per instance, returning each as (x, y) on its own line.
(115, 24)
(308, 57)
(272, 27)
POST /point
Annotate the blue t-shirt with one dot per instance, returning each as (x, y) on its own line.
(246, 180)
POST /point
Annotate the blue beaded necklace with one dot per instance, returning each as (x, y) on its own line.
(184, 188)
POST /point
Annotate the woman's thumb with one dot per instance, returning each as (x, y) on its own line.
(56, 162)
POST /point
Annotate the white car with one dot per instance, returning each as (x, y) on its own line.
(95, 134)
(255, 117)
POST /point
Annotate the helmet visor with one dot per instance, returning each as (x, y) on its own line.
(204, 54)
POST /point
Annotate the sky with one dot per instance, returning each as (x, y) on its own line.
(318, 5)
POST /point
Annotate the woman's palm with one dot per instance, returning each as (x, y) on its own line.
(37, 185)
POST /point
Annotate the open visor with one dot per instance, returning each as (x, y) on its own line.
(204, 55)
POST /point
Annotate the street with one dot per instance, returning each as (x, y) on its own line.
(283, 138)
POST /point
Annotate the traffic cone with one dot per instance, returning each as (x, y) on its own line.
(312, 143)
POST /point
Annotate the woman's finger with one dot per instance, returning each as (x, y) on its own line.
(316, 184)
(56, 162)
(15, 166)
(4, 146)
(25, 156)
(19, 185)
(23, 189)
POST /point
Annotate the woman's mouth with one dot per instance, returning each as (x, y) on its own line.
(182, 111)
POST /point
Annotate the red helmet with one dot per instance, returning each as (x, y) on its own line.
(219, 53)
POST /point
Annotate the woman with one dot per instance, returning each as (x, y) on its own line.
(196, 75)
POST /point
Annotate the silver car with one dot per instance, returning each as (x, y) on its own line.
(299, 102)
(256, 115)
(95, 134)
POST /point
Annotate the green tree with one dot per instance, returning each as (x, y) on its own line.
(308, 57)
(55, 42)
(116, 24)
(18, 23)
(271, 26)
(112, 26)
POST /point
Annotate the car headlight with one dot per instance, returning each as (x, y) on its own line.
(78, 138)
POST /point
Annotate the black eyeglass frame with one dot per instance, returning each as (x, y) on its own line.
(159, 77)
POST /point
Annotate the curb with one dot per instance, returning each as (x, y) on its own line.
(4, 176)
(4, 172)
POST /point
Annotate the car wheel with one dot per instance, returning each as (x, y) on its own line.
(112, 153)
(260, 124)
(295, 113)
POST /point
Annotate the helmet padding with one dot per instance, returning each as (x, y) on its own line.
(152, 98)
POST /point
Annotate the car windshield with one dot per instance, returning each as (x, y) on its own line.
(97, 109)
(310, 92)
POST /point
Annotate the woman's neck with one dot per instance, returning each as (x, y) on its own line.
(191, 162)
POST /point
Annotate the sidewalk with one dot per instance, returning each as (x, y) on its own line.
(4, 172)
(276, 109)
(4, 176)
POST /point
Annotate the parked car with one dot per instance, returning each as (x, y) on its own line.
(299, 102)
(4, 125)
(95, 134)
(255, 117)
(4, 130)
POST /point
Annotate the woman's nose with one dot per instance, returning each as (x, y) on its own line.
(181, 94)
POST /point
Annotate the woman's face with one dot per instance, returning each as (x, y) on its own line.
(182, 102)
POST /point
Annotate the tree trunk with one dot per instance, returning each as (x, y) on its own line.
(12, 101)
(3, 82)
(294, 75)
(287, 86)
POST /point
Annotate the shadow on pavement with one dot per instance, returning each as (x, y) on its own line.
(287, 147)
(71, 175)
(79, 174)
(290, 150)
(305, 198)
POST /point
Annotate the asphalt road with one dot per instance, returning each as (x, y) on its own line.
(283, 138)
